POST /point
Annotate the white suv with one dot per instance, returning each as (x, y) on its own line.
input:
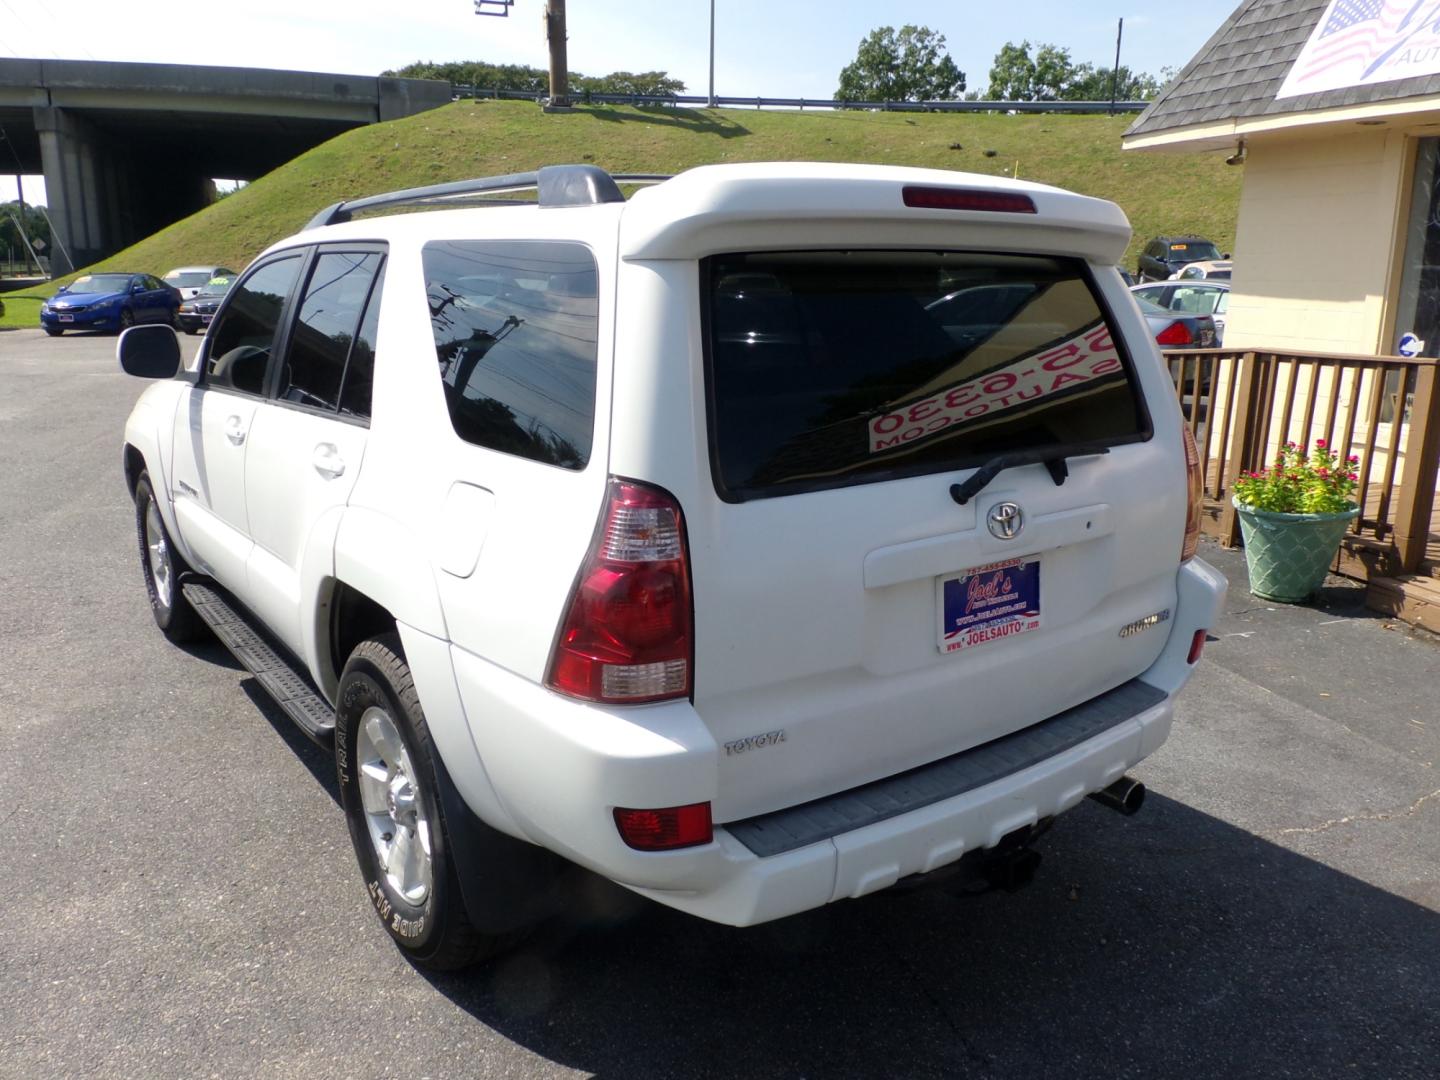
(781, 533)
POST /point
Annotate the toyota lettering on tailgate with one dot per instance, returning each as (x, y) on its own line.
(1076, 363)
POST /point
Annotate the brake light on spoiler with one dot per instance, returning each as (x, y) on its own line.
(943, 198)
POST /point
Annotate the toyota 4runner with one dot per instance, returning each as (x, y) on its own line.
(781, 533)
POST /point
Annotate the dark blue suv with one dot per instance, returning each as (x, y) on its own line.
(1164, 255)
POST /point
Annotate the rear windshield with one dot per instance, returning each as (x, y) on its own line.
(189, 279)
(1193, 252)
(834, 368)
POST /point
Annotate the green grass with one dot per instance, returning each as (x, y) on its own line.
(1161, 193)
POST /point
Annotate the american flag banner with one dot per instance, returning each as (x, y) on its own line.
(1359, 42)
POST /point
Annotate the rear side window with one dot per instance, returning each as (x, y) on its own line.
(834, 368)
(241, 340)
(325, 328)
(515, 337)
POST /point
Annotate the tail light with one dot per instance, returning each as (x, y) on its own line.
(665, 830)
(626, 635)
(1177, 333)
(1195, 491)
(1197, 646)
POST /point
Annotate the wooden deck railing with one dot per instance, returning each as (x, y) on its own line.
(1243, 405)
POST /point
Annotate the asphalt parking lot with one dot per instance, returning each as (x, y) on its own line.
(180, 898)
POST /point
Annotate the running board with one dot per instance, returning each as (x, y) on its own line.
(292, 689)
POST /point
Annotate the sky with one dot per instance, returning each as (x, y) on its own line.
(775, 48)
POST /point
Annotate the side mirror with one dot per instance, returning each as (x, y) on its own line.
(1225, 256)
(137, 287)
(149, 352)
(62, 289)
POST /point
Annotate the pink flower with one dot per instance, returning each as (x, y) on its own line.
(1354, 476)
(1354, 459)
(1324, 474)
(1320, 444)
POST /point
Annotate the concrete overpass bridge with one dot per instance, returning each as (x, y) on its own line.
(126, 149)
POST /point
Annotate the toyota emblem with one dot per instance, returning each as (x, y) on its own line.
(1005, 520)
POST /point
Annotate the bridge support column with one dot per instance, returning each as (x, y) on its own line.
(80, 189)
(105, 192)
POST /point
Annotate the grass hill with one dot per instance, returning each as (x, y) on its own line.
(1161, 193)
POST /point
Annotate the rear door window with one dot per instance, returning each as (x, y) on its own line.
(826, 369)
(515, 337)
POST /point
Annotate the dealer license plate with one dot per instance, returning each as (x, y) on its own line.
(67, 318)
(989, 602)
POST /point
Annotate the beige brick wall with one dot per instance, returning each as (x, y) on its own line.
(1313, 258)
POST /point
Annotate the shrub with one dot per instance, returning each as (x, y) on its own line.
(1302, 481)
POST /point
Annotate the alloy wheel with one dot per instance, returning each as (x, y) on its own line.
(394, 810)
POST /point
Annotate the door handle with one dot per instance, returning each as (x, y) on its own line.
(327, 461)
(234, 430)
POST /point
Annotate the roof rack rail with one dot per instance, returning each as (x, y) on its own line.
(557, 185)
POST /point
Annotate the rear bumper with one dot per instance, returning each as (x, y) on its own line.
(560, 767)
(874, 857)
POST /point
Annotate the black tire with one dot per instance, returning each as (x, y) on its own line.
(127, 320)
(173, 614)
(54, 331)
(435, 933)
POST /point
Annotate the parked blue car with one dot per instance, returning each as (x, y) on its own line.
(109, 301)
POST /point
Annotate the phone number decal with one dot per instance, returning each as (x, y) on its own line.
(1086, 357)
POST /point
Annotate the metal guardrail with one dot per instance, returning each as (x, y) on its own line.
(583, 97)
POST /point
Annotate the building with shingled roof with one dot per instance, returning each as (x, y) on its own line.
(1332, 108)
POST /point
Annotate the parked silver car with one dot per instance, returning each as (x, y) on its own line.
(1206, 297)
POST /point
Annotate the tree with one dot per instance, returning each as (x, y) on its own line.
(532, 80)
(909, 66)
(1050, 75)
(1012, 75)
(1094, 84)
(36, 228)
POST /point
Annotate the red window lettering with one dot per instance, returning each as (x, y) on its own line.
(1066, 355)
(888, 423)
(956, 398)
(999, 382)
(1100, 340)
(923, 410)
(1063, 378)
(1106, 366)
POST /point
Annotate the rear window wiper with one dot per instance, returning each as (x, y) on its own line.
(1052, 457)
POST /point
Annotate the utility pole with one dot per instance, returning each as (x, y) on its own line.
(1115, 73)
(712, 54)
(559, 66)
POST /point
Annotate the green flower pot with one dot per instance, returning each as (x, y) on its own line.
(1288, 555)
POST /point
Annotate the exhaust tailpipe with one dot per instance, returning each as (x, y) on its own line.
(1125, 795)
